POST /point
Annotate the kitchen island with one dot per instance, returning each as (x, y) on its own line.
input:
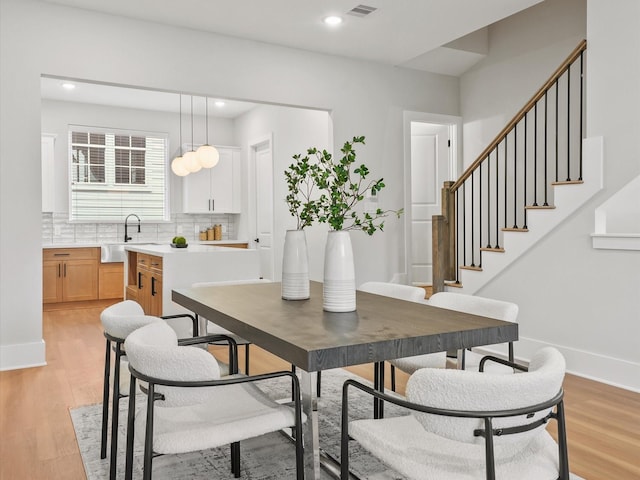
(152, 271)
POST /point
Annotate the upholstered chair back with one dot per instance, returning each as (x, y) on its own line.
(153, 350)
(394, 290)
(468, 390)
(122, 318)
(486, 307)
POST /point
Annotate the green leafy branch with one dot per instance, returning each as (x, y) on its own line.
(301, 185)
(344, 189)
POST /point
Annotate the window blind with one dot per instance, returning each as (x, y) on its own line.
(116, 172)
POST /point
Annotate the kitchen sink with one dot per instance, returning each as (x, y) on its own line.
(114, 252)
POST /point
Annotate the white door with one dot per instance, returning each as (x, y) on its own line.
(430, 168)
(264, 207)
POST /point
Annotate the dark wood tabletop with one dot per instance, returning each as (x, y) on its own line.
(300, 332)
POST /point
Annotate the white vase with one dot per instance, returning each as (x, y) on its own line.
(339, 288)
(295, 266)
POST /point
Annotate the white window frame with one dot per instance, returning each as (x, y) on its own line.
(149, 211)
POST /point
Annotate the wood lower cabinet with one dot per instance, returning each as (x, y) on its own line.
(69, 274)
(110, 281)
(149, 282)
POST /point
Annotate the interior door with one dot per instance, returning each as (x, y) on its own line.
(429, 170)
(264, 207)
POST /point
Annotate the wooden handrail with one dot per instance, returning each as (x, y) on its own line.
(520, 115)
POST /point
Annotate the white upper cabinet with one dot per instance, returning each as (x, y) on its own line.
(217, 189)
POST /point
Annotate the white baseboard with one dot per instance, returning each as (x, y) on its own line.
(22, 355)
(600, 368)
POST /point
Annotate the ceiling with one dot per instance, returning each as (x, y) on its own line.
(441, 36)
(115, 96)
(397, 33)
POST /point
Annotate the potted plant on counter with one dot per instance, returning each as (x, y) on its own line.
(344, 185)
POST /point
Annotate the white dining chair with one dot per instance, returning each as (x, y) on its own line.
(189, 407)
(118, 321)
(409, 293)
(215, 329)
(467, 425)
(395, 290)
(476, 305)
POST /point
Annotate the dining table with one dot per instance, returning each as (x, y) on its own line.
(311, 339)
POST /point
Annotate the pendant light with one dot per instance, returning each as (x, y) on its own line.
(177, 165)
(191, 158)
(208, 155)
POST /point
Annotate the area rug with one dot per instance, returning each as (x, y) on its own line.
(268, 457)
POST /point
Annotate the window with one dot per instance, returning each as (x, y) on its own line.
(130, 155)
(87, 157)
(116, 172)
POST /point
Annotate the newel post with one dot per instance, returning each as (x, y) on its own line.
(443, 240)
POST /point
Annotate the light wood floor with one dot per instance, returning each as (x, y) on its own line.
(37, 440)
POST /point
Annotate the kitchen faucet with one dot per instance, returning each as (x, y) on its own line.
(126, 237)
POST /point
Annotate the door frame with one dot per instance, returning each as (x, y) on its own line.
(253, 146)
(455, 166)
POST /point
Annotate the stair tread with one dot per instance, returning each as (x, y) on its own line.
(568, 182)
(492, 249)
(468, 267)
(510, 229)
(453, 284)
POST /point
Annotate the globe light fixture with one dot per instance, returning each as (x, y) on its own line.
(191, 163)
(178, 167)
(208, 155)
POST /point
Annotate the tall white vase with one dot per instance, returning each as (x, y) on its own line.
(339, 288)
(295, 266)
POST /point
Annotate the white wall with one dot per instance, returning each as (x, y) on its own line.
(584, 301)
(363, 98)
(57, 115)
(524, 50)
(293, 131)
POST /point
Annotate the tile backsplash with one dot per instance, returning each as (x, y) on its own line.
(56, 229)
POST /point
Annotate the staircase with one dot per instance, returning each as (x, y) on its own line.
(536, 172)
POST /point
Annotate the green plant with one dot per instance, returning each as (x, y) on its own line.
(343, 188)
(300, 184)
(179, 240)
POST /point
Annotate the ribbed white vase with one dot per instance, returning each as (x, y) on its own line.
(339, 288)
(295, 266)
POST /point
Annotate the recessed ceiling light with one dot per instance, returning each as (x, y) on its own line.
(219, 103)
(68, 86)
(332, 20)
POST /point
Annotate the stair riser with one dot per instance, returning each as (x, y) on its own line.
(567, 199)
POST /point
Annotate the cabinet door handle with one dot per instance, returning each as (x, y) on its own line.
(139, 281)
(153, 286)
(209, 205)
(59, 270)
(65, 269)
(213, 205)
(60, 254)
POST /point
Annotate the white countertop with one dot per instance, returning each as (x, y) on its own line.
(193, 248)
(98, 245)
